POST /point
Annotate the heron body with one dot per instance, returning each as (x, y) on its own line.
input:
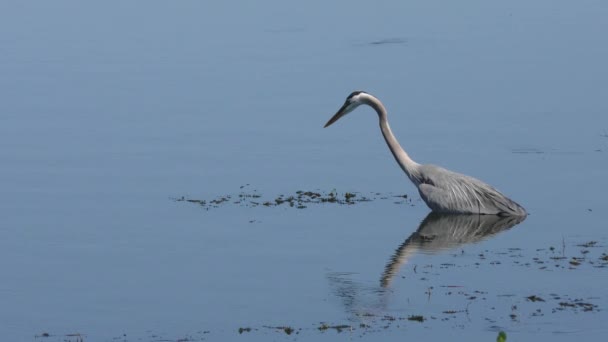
(442, 190)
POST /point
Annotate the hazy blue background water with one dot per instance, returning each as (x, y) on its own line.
(109, 110)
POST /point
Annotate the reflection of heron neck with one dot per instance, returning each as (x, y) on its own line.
(400, 258)
(403, 159)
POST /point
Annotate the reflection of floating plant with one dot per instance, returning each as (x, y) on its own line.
(535, 298)
(417, 318)
(299, 200)
(75, 337)
(338, 328)
(578, 303)
(287, 329)
(242, 330)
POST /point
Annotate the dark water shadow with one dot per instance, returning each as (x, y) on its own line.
(439, 232)
(389, 41)
(383, 42)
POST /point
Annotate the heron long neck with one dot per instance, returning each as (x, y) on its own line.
(409, 166)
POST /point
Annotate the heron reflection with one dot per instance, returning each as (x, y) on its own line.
(438, 232)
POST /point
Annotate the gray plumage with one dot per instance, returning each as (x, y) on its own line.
(442, 190)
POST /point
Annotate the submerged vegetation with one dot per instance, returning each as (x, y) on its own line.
(299, 200)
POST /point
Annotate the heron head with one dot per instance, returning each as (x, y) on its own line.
(353, 101)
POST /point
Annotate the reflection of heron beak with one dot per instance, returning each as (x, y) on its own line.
(341, 112)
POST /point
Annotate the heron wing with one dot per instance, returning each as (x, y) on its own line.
(448, 191)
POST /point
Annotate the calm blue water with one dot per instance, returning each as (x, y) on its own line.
(109, 111)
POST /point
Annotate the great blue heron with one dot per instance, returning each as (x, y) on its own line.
(443, 190)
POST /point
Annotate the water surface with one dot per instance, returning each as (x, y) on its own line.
(111, 111)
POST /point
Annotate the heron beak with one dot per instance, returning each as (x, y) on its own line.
(341, 112)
